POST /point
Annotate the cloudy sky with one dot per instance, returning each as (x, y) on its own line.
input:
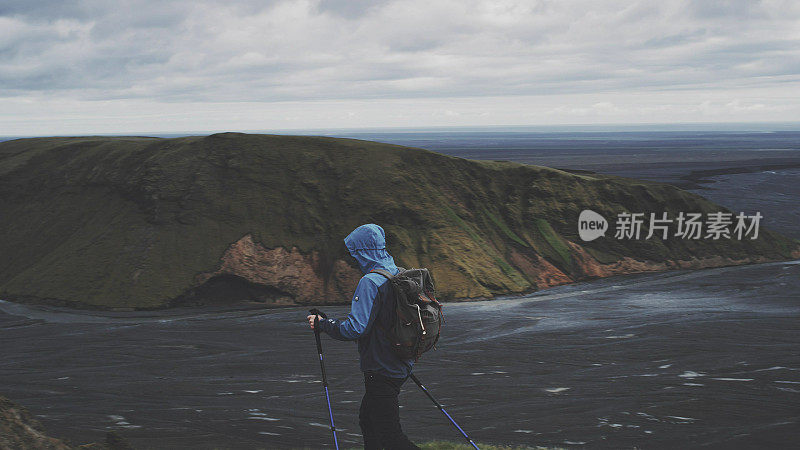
(92, 66)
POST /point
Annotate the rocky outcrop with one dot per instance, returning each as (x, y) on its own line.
(19, 430)
(278, 276)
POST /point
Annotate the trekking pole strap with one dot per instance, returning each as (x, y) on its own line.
(441, 408)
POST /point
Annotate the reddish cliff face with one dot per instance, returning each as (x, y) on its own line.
(282, 277)
(290, 276)
(589, 267)
(543, 273)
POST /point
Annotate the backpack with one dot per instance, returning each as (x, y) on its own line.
(414, 315)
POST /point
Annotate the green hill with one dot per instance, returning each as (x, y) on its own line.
(132, 222)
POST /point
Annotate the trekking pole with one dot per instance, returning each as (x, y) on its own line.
(319, 313)
(441, 408)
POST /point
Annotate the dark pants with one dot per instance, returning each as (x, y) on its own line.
(379, 416)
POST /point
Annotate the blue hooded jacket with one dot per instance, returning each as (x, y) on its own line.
(367, 244)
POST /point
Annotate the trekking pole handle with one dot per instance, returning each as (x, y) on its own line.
(317, 312)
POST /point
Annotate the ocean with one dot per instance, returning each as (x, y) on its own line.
(681, 359)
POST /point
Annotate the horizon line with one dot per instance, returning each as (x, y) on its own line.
(605, 127)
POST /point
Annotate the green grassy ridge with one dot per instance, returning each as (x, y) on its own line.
(117, 222)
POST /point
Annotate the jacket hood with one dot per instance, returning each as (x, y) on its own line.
(367, 244)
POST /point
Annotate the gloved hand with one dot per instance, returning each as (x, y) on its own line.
(315, 316)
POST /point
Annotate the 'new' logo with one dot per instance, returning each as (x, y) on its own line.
(591, 225)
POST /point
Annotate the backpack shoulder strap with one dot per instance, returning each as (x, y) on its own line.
(385, 273)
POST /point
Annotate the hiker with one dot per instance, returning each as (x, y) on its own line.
(384, 372)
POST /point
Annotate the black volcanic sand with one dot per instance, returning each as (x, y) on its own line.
(775, 193)
(705, 358)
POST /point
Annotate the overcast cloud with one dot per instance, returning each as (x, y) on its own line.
(146, 65)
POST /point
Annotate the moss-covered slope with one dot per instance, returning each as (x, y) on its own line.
(114, 222)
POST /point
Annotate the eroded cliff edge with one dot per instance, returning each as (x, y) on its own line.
(105, 222)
